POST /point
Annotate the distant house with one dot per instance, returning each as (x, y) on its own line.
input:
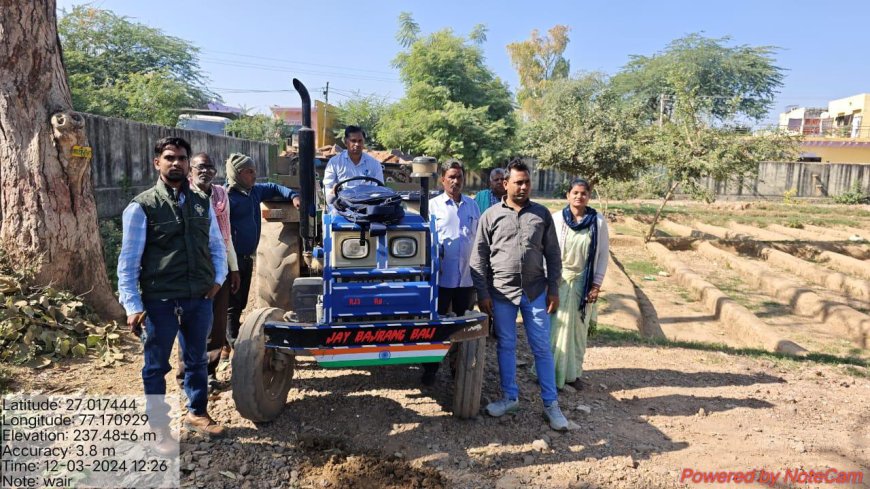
(322, 121)
(837, 134)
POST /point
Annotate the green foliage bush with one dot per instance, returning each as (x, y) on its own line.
(794, 223)
(120, 68)
(259, 127)
(646, 186)
(855, 195)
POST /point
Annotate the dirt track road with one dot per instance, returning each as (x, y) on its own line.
(653, 412)
(650, 416)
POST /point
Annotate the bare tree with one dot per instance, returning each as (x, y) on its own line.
(49, 218)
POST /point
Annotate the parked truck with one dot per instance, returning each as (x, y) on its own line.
(331, 289)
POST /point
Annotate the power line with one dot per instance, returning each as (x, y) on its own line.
(345, 68)
(287, 69)
(346, 93)
(248, 90)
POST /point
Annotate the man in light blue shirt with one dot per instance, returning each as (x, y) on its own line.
(172, 263)
(352, 162)
(456, 218)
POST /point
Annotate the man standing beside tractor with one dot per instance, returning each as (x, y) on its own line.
(173, 250)
(489, 197)
(456, 218)
(245, 195)
(202, 172)
(513, 241)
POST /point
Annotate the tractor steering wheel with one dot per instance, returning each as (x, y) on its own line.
(338, 185)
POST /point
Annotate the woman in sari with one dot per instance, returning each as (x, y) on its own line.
(584, 243)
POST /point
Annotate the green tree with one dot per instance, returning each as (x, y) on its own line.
(584, 128)
(538, 61)
(259, 127)
(365, 112)
(718, 82)
(454, 106)
(120, 68)
(409, 30)
(153, 97)
(711, 92)
(478, 34)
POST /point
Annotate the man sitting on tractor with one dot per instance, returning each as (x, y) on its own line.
(352, 162)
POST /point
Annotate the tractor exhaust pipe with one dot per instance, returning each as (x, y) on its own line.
(424, 168)
(307, 211)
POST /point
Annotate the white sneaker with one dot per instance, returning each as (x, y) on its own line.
(554, 415)
(501, 407)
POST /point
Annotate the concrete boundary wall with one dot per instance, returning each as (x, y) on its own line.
(808, 179)
(123, 151)
(741, 323)
(841, 318)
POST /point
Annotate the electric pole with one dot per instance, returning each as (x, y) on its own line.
(325, 110)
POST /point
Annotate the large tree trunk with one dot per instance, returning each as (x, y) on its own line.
(49, 218)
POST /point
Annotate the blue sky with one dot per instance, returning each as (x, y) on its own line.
(260, 45)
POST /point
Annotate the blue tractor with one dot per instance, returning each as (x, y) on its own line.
(360, 295)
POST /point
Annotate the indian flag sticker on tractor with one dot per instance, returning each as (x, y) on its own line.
(359, 356)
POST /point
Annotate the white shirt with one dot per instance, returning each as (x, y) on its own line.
(456, 225)
(341, 167)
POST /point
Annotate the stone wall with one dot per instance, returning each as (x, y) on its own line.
(808, 179)
(123, 152)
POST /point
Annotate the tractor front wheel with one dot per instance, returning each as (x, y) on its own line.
(468, 377)
(261, 377)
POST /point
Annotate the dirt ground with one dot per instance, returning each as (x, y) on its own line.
(647, 411)
(653, 411)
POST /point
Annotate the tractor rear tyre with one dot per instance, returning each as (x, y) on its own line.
(261, 377)
(278, 264)
(468, 377)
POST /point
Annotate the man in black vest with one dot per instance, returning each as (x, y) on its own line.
(172, 263)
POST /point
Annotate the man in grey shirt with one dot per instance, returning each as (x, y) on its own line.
(513, 240)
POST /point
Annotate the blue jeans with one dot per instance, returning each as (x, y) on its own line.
(161, 328)
(536, 322)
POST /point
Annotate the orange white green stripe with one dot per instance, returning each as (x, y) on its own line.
(371, 355)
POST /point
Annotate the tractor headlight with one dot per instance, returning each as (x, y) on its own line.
(403, 247)
(353, 249)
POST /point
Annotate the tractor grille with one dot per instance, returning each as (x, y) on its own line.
(381, 318)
